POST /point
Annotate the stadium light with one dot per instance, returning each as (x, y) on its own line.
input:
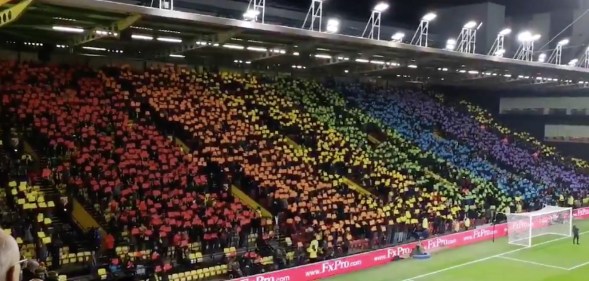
(524, 36)
(505, 31)
(141, 37)
(257, 49)
(251, 14)
(584, 61)
(542, 57)
(498, 47)
(381, 7)
(471, 24)
(450, 44)
(398, 37)
(176, 56)
(372, 28)
(255, 9)
(93, 48)
(315, 16)
(420, 37)
(233, 46)
(526, 49)
(67, 29)
(573, 62)
(332, 25)
(169, 39)
(166, 4)
(467, 38)
(429, 17)
(556, 55)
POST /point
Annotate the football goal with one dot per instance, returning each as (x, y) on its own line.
(551, 220)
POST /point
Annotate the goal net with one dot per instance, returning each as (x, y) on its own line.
(550, 220)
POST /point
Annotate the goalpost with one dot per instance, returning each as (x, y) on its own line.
(550, 220)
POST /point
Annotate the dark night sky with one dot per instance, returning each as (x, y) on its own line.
(409, 11)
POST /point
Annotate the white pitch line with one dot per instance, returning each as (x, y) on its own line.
(484, 259)
(533, 262)
(579, 265)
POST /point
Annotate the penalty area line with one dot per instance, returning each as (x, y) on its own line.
(533, 263)
(578, 266)
(487, 258)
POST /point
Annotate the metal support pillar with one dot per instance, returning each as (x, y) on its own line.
(11, 14)
(314, 16)
(420, 37)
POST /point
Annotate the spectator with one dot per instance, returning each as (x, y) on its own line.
(9, 255)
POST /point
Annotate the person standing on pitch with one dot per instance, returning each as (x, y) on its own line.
(575, 234)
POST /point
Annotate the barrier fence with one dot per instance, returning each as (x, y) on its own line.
(379, 257)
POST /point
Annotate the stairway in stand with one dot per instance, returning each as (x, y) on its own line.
(71, 235)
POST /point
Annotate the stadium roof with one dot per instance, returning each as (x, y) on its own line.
(132, 31)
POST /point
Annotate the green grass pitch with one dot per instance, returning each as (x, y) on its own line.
(551, 258)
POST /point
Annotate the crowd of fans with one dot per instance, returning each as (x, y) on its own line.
(155, 154)
(470, 145)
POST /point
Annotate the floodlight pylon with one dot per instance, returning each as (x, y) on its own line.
(525, 50)
(372, 28)
(467, 38)
(498, 47)
(584, 61)
(164, 4)
(420, 38)
(314, 16)
(258, 7)
(556, 55)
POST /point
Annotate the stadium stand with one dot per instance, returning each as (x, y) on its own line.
(146, 190)
(521, 138)
(471, 145)
(269, 168)
(156, 156)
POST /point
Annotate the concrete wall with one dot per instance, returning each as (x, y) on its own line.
(569, 105)
(580, 33)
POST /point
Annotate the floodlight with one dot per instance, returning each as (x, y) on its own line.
(500, 52)
(563, 42)
(505, 31)
(524, 36)
(257, 49)
(323, 56)
(176, 56)
(372, 29)
(169, 39)
(573, 62)
(429, 17)
(93, 48)
(332, 25)
(381, 7)
(251, 14)
(398, 36)
(536, 37)
(471, 24)
(451, 44)
(542, 57)
(233, 46)
(68, 29)
(141, 37)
